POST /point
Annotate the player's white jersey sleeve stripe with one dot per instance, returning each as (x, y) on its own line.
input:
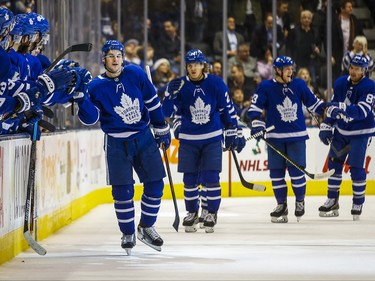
(286, 135)
(255, 108)
(366, 131)
(201, 136)
(315, 105)
(150, 100)
(155, 107)
(363, 105)
(97, 119)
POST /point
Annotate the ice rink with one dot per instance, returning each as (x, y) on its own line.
(245, 246)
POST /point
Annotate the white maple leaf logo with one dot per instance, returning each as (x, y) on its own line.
(129, 111)
(287, 110)
(200, 112)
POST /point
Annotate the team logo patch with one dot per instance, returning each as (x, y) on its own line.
(287, 110)
(129, 110)
(200, 112)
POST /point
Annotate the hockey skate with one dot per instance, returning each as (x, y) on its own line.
(191, 222)
(203, 215)
(330, 208)
(128, 242)
(150, 237)
(356, 211)
(209, 222)
(280, 214)
(299, 210)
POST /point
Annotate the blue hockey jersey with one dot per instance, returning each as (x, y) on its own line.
(124, 105)
(204, 108)
(359, 100)
(283, 105)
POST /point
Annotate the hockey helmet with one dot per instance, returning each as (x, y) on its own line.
(112, 45)
(282, 61)
(22, 25)
(6, 17)
(359, 60)
(195, 55)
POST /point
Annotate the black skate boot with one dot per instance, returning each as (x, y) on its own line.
(128, 242)
(150, 237)
(299, 210)
(203, 215)
(209, 222)
(330, 208)
(280, 213)
(356, 211)
(191, 222)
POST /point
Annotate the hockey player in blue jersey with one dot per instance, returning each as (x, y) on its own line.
(282, 99)
(201, 107)
(348, 129)
(125, 103)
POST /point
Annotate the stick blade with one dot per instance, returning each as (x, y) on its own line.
(259, 187)
(33, 244)
(176, 223)
(324, 175)
(84, 47)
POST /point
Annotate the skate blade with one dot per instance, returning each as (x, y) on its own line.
(298, 219)
(282, 219)
(157, 248)
(356, 217)
(209, 229)
(192, 228)
(329, 214)
(201, 225)
(128, 251)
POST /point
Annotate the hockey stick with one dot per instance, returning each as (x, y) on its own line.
(312, 176)
(30, 188)
(84, 47)
(176, 222)
(249, 185)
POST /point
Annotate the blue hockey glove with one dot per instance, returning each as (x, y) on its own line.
(68, 63)
(258, 126)
(176, 127)
(84, 77)
(55, 80)
(230, 138)
(173, 88)
(325, 133)
(336, 110)
(162, 135)
(241, 141)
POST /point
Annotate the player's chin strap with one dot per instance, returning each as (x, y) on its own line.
(281, 76)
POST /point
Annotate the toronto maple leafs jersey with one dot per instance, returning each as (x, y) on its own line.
(125, 105)
(283, 105)
(204, 107)
(359, 100)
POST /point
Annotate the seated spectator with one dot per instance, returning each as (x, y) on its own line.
(161, 75)
(239, 80)
(217, 68)
(131, 56)
(265, 64)
(359, 48)
(239, 102)
(150, 56)
(244, 59)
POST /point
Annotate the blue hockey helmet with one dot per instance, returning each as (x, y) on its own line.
(6, 17)
(112, 45)
(195, 55)
(22, 25)
(282, 61)
(359, 60)
(41, 24)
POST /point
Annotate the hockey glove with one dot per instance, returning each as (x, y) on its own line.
(336, 110)
(173, 88)
(67, 63)
(258, 127)
(84, 77)
(326, 133)
(230, 138)
(162, 135)
(241, 141)
(57, 79)
(27, 100)
(176, 127)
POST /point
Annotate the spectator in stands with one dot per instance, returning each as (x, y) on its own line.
(283, 17)
(196, 19)
(234, 39)
(359, 48)
(262, 36)
(243, 12)
(265, 64)
(303, 44)
(131, 56)
(217, 68)
(150, 53)
(161, 75)
(239, 80)
(345, 27)
(239, 102)
(243, 57)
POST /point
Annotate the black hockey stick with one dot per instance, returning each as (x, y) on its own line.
(249, 185)
(30, 189)
(84, 47)
(312, 176)
(47, 125)
(48, 112)
(176, 222)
